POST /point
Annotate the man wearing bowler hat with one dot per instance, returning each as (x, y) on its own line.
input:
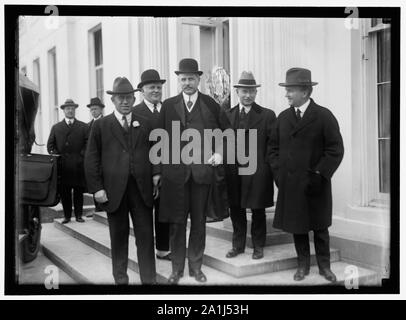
(96, 110)
(185, 187)
(68, 138)
(119, 174)
(306, 150)
(253, 191)
(151, 88)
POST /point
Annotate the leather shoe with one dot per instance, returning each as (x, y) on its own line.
(80, 219)
(234, 252)
(328, 274)
(258, 253)
(199, 275)
(165, 257)
(65, 221)
(300, 274)
(174, 277)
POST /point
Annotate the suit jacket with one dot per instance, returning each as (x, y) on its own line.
(107, 160)
(172, 203)
(298, 149)
(252, 191)
(70, 143)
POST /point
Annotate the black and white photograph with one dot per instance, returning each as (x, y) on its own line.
(204, 151)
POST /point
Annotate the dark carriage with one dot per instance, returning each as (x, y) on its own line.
(36, 174)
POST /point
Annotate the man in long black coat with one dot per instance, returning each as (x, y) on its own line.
(306, 150)
(185, 187)
(119, 174)
(254, 191)
(68, 138)
(96, 110)
(150, 107)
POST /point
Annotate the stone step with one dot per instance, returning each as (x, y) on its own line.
(93, 233)
(276, 258)
(218, 230)
(96, 235)
(80, 261)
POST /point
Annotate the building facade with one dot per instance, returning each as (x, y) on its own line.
(79, 57)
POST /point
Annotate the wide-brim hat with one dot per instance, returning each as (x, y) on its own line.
(69, 103)
(150, 76)
(247, 80)
(298, 77)
(122, 85)
(188, 65)
(95, 102)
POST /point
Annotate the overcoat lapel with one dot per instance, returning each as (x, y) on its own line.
(135, 130)
(232, 115)
(117, 130)
(254, 116)
(179, 107)
(309, 117)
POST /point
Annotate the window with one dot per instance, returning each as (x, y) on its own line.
(96, 62)
(378, 108)
(53, 84)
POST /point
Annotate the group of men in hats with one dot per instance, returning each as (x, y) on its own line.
(300, 150)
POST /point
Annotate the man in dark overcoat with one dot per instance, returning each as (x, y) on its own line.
(306, 150)
(185, 187)
(119, 174)
(254, 191)
(96, 110)
(150, 107)
(68, 138)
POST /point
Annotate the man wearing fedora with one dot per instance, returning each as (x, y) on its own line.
(119, 174)
(68, 138)
(185, 187)
(150, 107)
(96, 110)
(253, 191)
(306, 150)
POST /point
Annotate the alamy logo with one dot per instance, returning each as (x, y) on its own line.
(199, 148)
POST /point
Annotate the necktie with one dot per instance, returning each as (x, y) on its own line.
(243, 119)
(125, 124)
(69, 123)
(298, 116)
(189, 104)
(156, 112)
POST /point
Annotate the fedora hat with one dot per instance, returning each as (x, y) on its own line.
(247, 80)
(95, 102)
(188, 65)
(298, 77)
(121, 85)
(69, 103)
(150, 76)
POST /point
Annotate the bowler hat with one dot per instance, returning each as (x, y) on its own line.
(150, 76)
(95, 102)
(69, 103)
(298, 77)
(188, 65)
(121, 85)
(247, 80)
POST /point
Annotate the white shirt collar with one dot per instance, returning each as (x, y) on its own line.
(247, 109)
(151, 105)
(192, 98)
(69, 120)
(303, 107)
(119, 117)
(98, 117)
